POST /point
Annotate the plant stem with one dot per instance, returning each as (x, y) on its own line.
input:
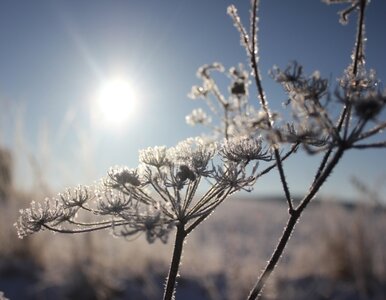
(226, 122)
(294, 217)
(359, 38)
(175, 264)
(264, 102)
(254, 294)
(322, 178)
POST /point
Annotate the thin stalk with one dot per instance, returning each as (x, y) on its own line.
(294, 217)
(175, 264)
(322, 178)
(264, 103)
(345, 116)
(70, 231)
(357, 57)
(191, 191)
(372, 145)
(208, 212)
(283, 179)
(372, 131)
(226, 122)
(254, 294)
(359, 38)
(323, 164)
(284, 157)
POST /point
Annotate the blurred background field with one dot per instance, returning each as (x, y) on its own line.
(337, 252)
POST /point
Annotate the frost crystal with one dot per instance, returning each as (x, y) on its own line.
(195, 153)
(198, 116)
(244, 149)
(113, 202)
(123, 176)
(39, 214)
(75, 197)
(234, 176)
(156, 156)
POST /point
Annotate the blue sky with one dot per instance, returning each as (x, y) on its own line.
(55, 55)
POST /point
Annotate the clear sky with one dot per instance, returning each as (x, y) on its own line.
(56, 56)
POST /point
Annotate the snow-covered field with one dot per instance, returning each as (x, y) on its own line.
(336, 252)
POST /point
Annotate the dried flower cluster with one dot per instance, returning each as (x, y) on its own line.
(227, 116)
(152, 198)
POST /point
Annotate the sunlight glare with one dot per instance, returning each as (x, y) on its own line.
(115, 102)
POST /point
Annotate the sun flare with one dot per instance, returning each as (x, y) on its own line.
(115, 101)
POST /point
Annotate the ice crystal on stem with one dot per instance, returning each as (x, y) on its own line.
(198, 116)
(344, 14)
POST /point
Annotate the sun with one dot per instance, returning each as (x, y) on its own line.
(115, 102)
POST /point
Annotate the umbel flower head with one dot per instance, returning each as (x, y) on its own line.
(244, 149)
(233, 111)
(152, 198)
(198, 116)
(156, 156)
(34, 218)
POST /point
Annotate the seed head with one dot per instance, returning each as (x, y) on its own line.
(155, 156)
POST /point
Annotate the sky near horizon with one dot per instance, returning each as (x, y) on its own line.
(56, 56)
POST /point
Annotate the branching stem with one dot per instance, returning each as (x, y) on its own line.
(274, 258)
(326, 167)
(293, 218)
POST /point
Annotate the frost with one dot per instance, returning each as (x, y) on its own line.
(198, 116)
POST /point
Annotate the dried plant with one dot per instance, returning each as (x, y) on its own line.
(159, 195)
(162, 192)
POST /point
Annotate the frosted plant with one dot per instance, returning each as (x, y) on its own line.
(198, 116)
(244, 149)
(314, 125)
(157, 196)
(232, 115)
(164, 192)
